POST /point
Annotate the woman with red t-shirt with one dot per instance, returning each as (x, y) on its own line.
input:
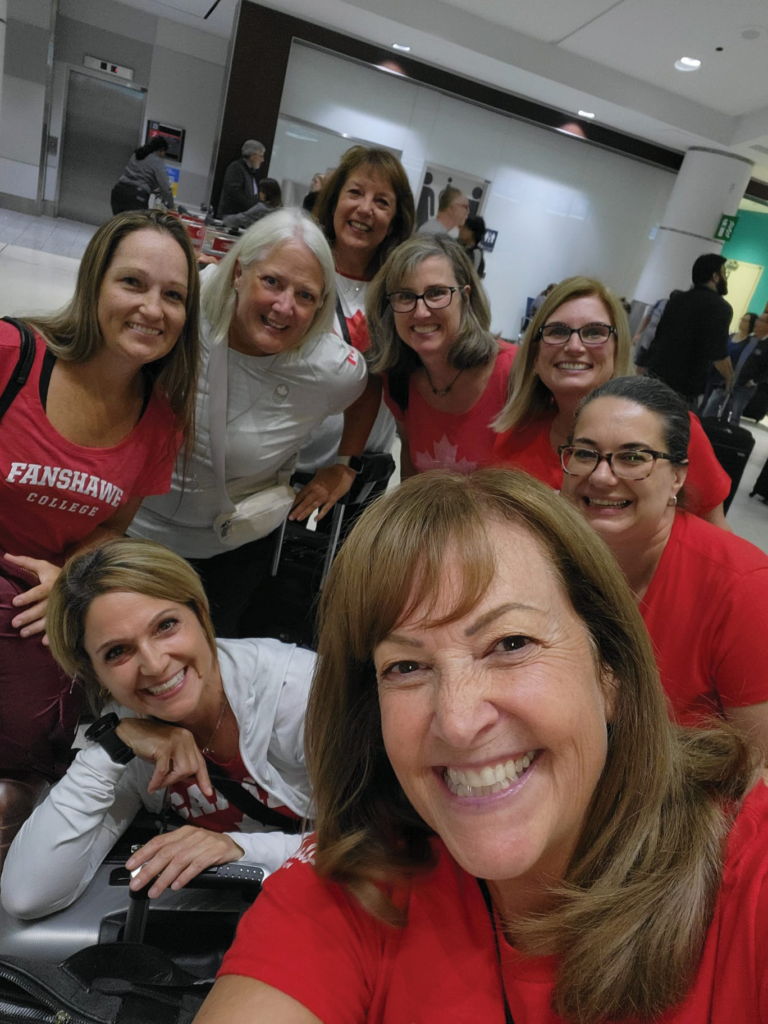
(93, 430)
(703, 592)
(444, 374)
(578, 340)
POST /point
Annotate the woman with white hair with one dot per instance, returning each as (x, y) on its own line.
(272, 372)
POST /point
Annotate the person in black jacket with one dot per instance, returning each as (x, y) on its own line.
(693, 332)
(240, 189)
(750, 371)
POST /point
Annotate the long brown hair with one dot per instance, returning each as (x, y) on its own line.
(630, 917)
(73, 333)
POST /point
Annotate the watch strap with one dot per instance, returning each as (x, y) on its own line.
(103, 732)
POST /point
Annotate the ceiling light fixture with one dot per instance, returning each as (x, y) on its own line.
(401, 48)
(586, 113)
(688, 64)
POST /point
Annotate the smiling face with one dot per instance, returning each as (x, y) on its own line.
(152, 656)
(431, 332)
(364, 212)
(574, 369)
(276, 301)
(141, 307)
(495, 724)
(624, 511)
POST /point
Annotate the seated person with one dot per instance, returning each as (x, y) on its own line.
(270, 198)
(703, 592)
(509, 816)
(131, 620)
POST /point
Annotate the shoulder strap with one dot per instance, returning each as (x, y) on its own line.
(247, 803)
(343, 321)
(23, 365)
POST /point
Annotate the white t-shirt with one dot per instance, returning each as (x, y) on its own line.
(273, 404)
(434, 227)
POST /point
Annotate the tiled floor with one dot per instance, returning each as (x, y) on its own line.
(36, 275)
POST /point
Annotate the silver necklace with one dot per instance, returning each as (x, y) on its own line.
(442, 392)
(208, 748)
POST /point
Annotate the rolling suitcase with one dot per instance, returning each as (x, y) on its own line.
(757, 407)
(761, 484)
(732, 446)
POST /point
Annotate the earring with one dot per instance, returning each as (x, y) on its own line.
(672, 501)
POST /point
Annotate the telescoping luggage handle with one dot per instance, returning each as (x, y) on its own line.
(23, 364)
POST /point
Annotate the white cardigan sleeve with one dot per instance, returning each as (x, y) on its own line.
(269, 850)
(58, 849)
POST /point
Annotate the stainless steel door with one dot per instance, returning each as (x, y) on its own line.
(103, 123)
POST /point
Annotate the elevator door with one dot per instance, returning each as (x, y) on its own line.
(102, 126)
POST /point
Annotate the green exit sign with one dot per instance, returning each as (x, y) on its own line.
(726, 227)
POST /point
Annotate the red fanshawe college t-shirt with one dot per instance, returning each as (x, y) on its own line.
(54, 493)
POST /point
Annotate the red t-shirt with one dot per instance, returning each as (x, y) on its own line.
(462, 442)
(307, 938)
(53, 493)
(707, 611)
(188, 800)
(707, 484)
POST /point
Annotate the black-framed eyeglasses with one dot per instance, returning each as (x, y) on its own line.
(629, 464)
(436, 297)
(590, 334)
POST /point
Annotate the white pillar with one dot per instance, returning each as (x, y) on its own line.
(710, 183)
(3, 18)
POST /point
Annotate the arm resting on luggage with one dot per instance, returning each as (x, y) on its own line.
(58, 849)
(238, 1000)
(270, 850)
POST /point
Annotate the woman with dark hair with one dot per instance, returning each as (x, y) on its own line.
(471, 234)
(270, 198)
(703, 592)
(577, 340)
(145, 173)
(508, 825)
(366, 210)
(444, 374)
(94, 429)
(184, 718)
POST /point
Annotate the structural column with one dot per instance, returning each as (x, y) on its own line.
(3, 19)
(710, 183)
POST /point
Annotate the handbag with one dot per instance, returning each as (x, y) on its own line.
(257, 515)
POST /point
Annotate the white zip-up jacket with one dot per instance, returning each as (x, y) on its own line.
(58, 849)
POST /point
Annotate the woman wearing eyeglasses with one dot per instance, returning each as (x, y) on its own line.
(445, 375)
(578, 340)
(702, 591)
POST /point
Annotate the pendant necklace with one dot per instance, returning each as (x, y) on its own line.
(208, 749)
(441, 392)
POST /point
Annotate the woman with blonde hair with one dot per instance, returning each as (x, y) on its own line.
(272, 372)
(213, 728)
(511, 827)
(444, 374)
(578, 339)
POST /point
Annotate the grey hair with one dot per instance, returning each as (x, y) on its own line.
(473, 346)
(288, 225)
(252, 146)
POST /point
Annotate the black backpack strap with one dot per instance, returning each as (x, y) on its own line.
(23, 365)
(343, 322)
(246, 802)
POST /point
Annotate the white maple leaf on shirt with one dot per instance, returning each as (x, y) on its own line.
(444, 458)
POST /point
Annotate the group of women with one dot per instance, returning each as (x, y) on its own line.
(484, 658)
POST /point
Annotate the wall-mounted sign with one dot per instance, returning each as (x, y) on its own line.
(173, 136)
(489, 240)
(725, 228)
(106, 65)
(173, 174)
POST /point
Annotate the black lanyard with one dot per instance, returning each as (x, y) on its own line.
(508, 1018)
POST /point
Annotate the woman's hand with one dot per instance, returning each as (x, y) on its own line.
(322, 492)
(34, 601)
(175, 858)
(170, 748)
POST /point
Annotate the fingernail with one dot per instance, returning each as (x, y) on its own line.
(153, 892)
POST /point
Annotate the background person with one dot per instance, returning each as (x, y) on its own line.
(736, 343)
(131, 619)
(511, 800)
(94, 429)
(144, 174)
(240, 187)
(750, 369)
(309, 200)
(557, 367)
(445, 375)
(270, 198)
(703, 592)
(471, 234)
(267, 310)
(452, 212)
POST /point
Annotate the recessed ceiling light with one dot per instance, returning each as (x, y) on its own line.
(401, 48)
(586, 113)
(688, 64)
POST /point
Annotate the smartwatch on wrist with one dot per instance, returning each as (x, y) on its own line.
(353, 462)
(103, 732)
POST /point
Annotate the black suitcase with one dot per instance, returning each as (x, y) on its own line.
(733, 446)
(761, 484)
(757, 406)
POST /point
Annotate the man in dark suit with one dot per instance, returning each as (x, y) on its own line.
(240, 189)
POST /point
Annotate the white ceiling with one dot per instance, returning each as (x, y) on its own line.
(613, 57)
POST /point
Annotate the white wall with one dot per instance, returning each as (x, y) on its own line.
(560, 206)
